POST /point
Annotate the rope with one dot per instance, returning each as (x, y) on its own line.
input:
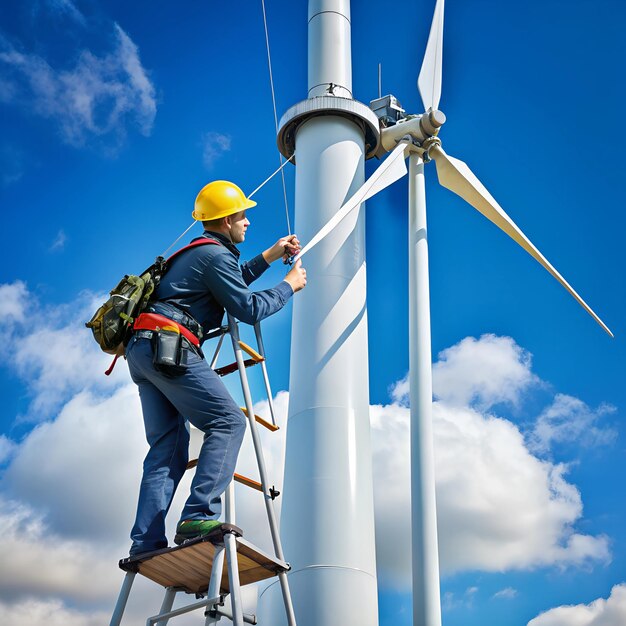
(280, 157)
(178, 238)
(267, 180)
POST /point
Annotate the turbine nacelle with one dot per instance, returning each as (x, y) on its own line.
(420, 128)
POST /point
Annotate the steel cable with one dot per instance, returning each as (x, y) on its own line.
(280, 156)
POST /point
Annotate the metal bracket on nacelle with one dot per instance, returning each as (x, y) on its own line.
(427, 145)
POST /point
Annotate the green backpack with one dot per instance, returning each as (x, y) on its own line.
(112, 323)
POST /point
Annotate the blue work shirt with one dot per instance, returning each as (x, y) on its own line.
(205, 280)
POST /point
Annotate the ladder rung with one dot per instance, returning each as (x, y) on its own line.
(248, 482)
(251, 352)
(260, 420)
(238, 477)
(244, 480)
(232, 367)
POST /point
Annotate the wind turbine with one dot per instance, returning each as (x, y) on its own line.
(417, 136)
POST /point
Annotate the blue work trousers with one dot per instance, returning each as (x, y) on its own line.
(200, 397)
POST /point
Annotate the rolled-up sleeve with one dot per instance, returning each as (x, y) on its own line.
(225, 280)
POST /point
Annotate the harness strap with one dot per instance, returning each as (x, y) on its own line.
(198, 242)
(154, 321)
(108, 372)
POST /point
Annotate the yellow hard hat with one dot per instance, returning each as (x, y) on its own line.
(219, 199)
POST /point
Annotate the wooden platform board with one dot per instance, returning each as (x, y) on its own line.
(188, 567)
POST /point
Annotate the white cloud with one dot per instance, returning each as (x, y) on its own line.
(14, 300)
(499, 506)
(7, 447)
(66, 8)
(38, 562)
(59, 241)
(569, 419)
(59, 363)
(213, 146)
(142, 88)
(507, 593)
(600, 612)
(98, 97)
(451, 601)
(82, 469)
(482, 372)
(478, 372)
(52, 350)
(50, 612)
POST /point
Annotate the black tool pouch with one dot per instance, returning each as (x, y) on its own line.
(169, 353)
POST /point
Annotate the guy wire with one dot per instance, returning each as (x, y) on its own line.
(280, 156)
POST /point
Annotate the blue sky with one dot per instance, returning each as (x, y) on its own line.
(113, 115)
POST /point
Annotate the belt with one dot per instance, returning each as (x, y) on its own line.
(172, 312)
(155, 322)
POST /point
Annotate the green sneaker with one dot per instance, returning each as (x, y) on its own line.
(194, 528)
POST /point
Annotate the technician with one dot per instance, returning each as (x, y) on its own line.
(198, 286)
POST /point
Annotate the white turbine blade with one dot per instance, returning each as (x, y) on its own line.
(389, 171)
(457, 177)
(429, 80)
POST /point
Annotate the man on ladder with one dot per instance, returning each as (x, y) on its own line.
(176, 383)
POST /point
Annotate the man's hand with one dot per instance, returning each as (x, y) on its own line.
(284, 248)
(297, 276)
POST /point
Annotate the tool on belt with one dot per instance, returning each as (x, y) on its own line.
(171, 342)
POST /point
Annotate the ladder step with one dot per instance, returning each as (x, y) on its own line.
(188, 567)
(244, 480)
(239, 478)
(260, 420)
(251, 352)
(248, 482)
(232, 367)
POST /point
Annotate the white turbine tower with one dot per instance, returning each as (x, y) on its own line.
(417, 136)
(327, 519)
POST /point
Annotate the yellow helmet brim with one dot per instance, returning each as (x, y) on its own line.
(202, 216)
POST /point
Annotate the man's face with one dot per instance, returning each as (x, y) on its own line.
(238, 225)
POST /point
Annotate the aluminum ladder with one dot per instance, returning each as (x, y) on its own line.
(197, 566)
